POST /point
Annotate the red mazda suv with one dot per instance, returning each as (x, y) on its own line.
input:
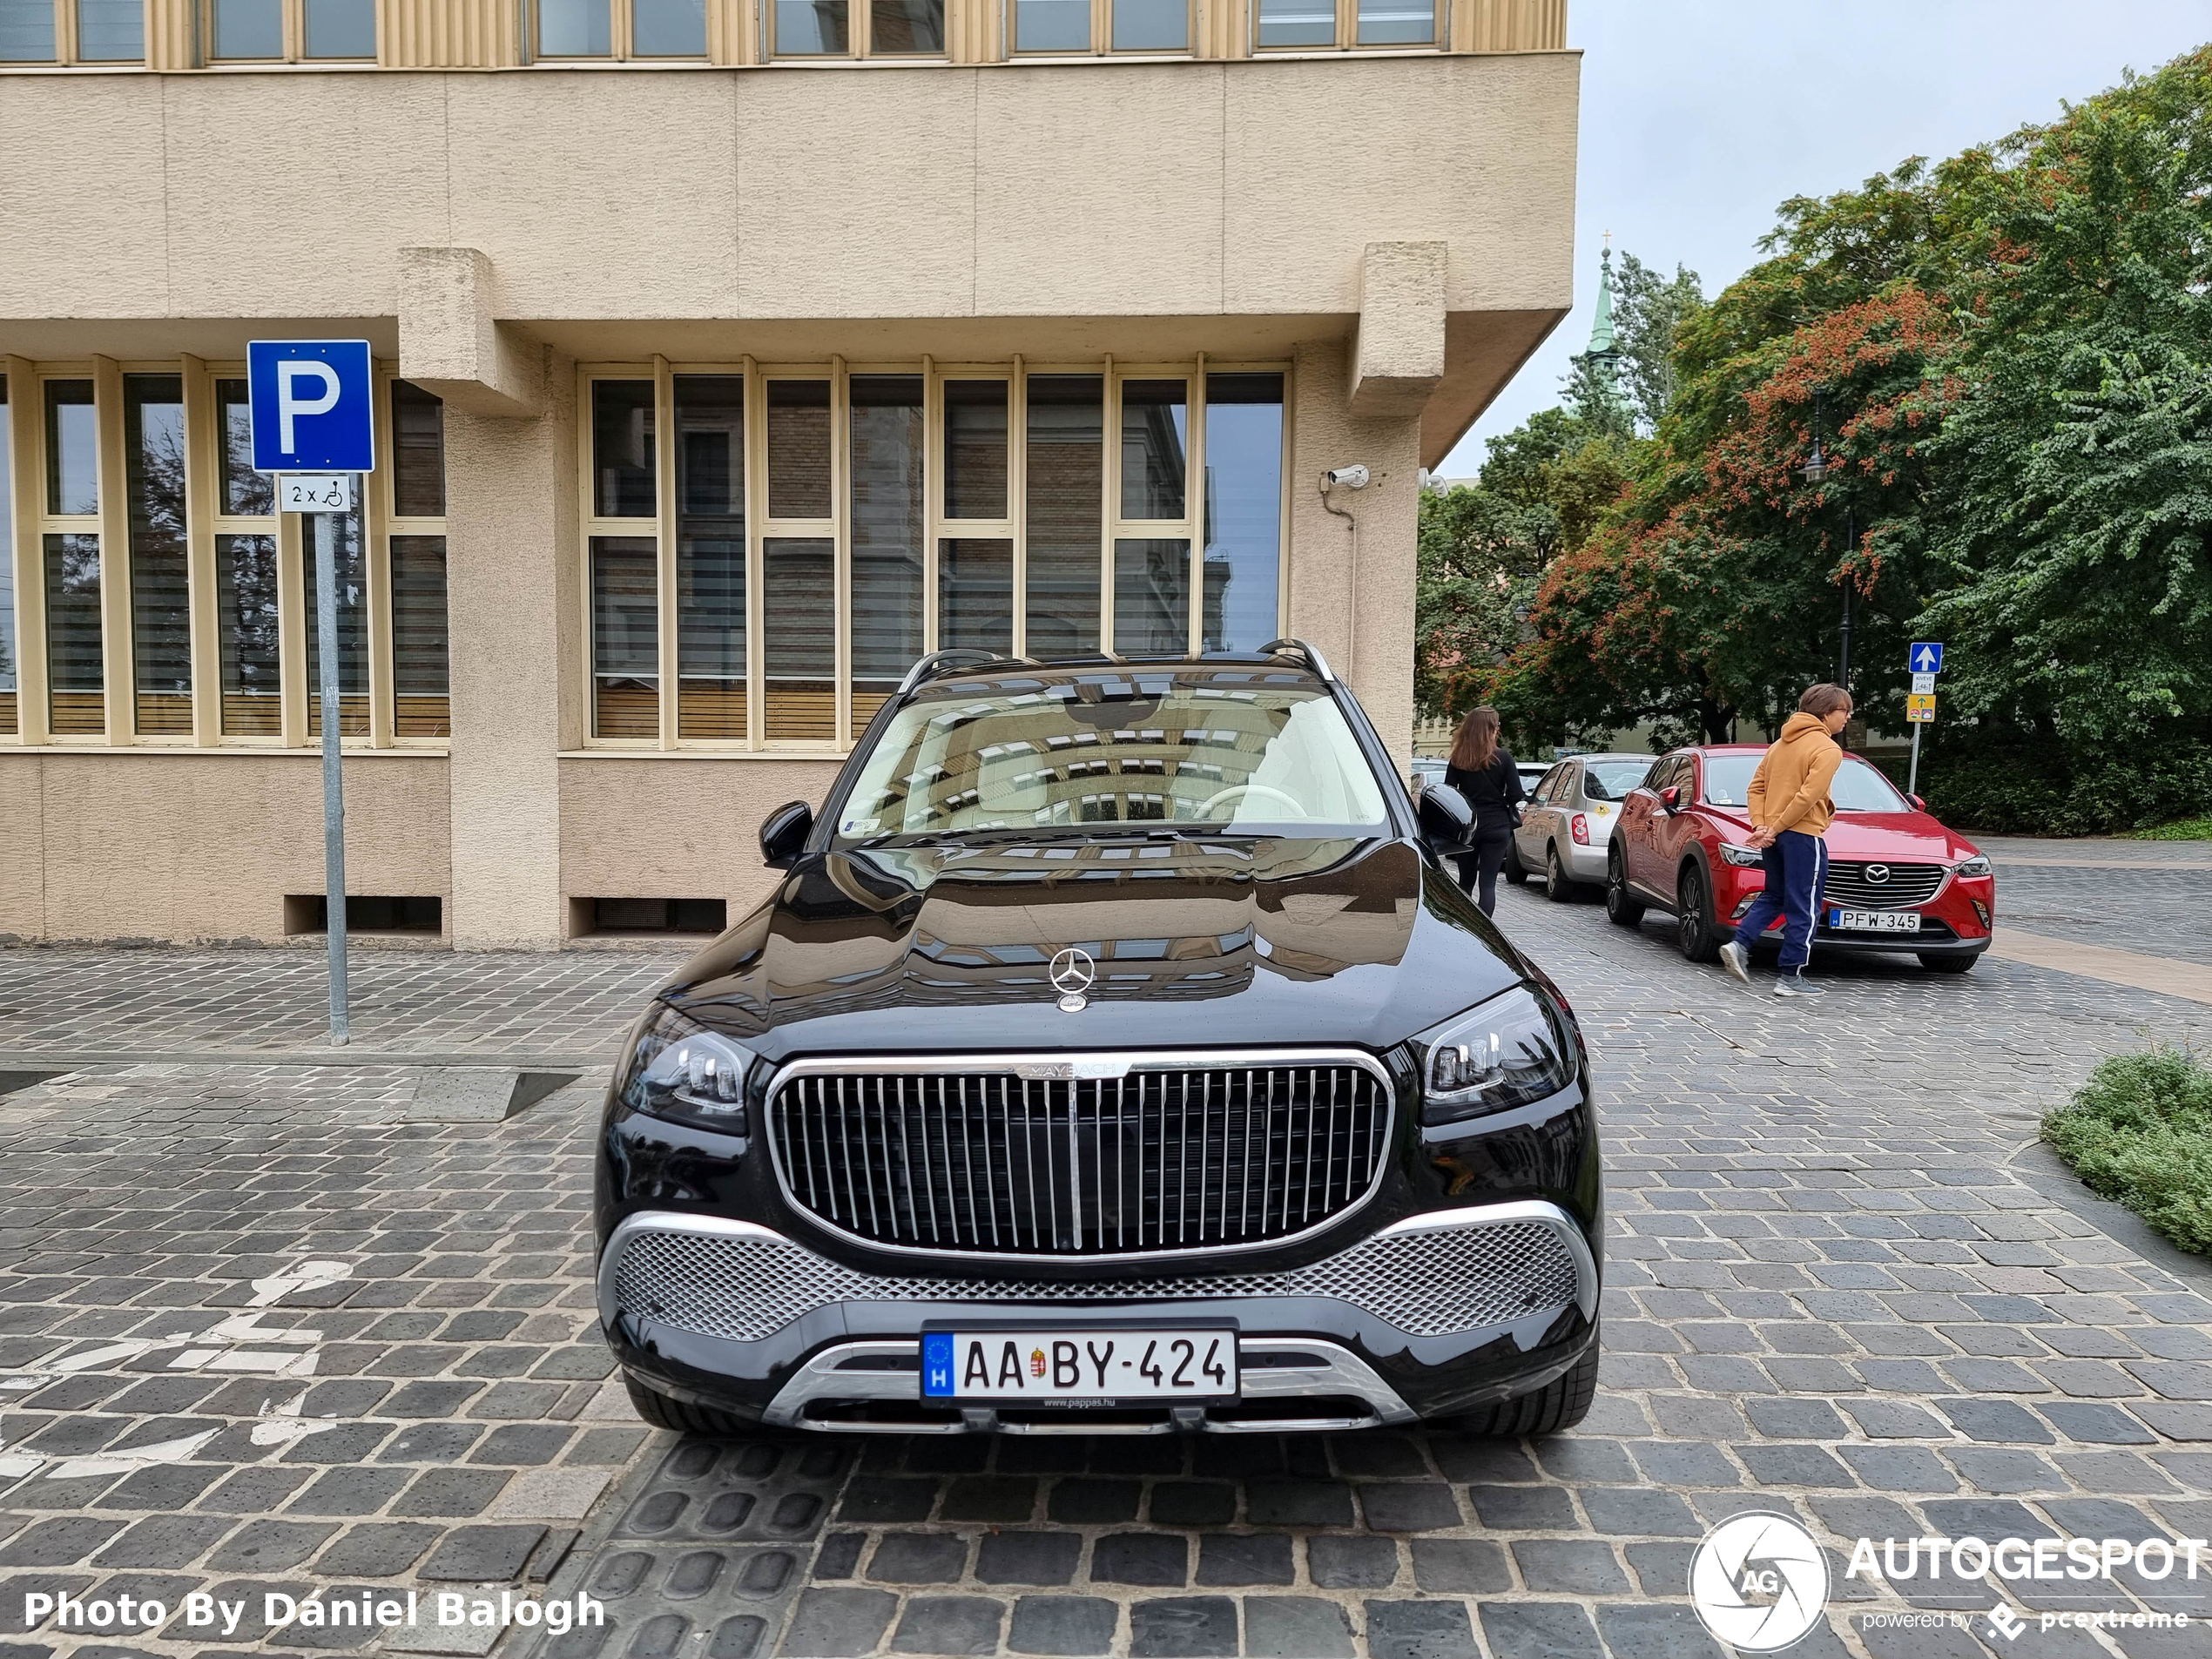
(1897, 881)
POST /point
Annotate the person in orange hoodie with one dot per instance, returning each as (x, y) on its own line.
(1790, 812)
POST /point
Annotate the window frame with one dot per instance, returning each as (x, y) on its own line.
(294, 29)
(1102, 37)
(937, 527)
(1347, 33)
(68, 52)
(204, 523)
(622, 38)
(860, 29)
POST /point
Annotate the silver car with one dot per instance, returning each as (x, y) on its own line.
(1568, 820)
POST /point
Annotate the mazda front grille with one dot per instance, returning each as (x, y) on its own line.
(1870, 884)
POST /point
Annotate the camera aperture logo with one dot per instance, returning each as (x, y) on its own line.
(1758, 1581)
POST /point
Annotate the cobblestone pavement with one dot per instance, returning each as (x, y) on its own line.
(1830, 1295)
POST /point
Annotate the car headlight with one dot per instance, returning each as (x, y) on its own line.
(1504, 1053)
(683, 1072)
(1977, 865)
(1743, 857)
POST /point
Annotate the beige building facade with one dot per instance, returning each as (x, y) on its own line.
(731, 355)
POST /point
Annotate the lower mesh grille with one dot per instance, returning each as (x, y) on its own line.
(1446, 1280)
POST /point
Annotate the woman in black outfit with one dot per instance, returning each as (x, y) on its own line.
(1480, 769)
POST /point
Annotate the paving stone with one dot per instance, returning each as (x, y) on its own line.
(1654, 1633)
(1457, 1566)
(1523, 1509)
(2095, 1423)
(270, 1545)
(1639, 1511)
(1245, 1558)
(1183, 1626)
(954, 1624)
(482, 1554)
(1029, 1558)
(1063, 1624)
(1296, 1626)
(1419, 1630)
(919, 1558)
(59, 1543)
(1569, 1566)
(1192, 1503)
(1140, 1558)
(1538, 1631)
(1351, 1563)
(164, 1541)
(1297, 1503)
(834, 1623)
(376, 1549)
(1080, 1502)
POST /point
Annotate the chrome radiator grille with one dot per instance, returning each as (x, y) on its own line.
(1157, 1159)
(1449, 1280)
(1852, 883)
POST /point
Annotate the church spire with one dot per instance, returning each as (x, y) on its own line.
(1602, 361)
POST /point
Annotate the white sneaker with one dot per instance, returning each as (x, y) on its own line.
(1737, 960)
(1796, 984)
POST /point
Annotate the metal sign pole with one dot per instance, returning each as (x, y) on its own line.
(1912, 774)
(333, 798)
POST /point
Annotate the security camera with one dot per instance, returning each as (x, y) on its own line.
(1347, 477)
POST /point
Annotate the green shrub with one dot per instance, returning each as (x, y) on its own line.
(2140, 1131)
(2011, 783)
(2182, 829)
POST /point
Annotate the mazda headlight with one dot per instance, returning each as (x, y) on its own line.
(683, 1072)
(1741, 857)
(1504, 1053)
(1977, 865)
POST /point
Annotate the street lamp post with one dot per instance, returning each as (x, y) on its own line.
(1814, 469)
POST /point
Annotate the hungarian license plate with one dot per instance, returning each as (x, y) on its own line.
(1110, 1364)
(1875, 921)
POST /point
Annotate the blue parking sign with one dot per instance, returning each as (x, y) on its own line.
(313, 406)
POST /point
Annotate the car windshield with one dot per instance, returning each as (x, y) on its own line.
(1611, 780)
(1256, 752)
(1857, 788)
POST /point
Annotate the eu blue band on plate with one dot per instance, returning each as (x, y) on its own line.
(937, 1362)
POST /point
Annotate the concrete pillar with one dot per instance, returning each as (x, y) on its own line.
(514, 613)
(1399, 356)
(1352, 579)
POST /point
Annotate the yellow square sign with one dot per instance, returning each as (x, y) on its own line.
(1919, 709)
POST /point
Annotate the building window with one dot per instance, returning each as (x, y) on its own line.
(611, 30)
(120, 565)
(828, 527)
(1322, 25)
(72, 32)
(153, 463)
(1115, 26)
(291, 30)
(857, 27)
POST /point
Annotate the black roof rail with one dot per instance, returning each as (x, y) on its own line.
(1314, 660)
(951, 659)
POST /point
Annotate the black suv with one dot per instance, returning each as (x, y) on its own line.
(1117, 1055)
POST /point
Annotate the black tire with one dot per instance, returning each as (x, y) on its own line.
(662, 1411)
(1622, 908)
(1693, 931)
(1936, 964)
(1516, 871)
(1558, 1404)
(1559, 887)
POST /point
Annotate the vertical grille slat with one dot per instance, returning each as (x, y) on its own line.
(985, 1161)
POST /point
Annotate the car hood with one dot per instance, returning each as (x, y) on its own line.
(1904, 838)
(1198, 943)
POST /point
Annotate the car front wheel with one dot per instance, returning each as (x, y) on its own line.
(1622, 907)
(1694, 929)
(1559, 1404)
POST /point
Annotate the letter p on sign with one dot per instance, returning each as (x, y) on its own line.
(313, 403)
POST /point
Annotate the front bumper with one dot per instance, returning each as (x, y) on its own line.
(1437, 1314)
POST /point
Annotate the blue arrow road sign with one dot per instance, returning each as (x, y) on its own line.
(1926, 657)
(313, 403)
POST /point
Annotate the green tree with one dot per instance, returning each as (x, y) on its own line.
(1648, 310)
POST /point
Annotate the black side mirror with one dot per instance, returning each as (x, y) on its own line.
(1446, 818)
(1670, 798)
(783, 832)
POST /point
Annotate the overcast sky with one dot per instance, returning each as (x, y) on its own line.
(1700, 116)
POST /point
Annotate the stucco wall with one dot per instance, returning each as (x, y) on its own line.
(196, 846)
(1048, 190)
(650, 828)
